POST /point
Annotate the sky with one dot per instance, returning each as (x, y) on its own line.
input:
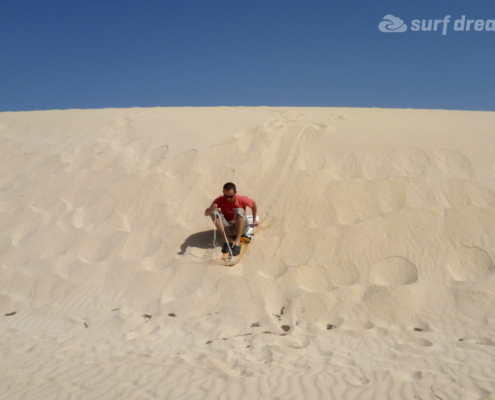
(313, 53)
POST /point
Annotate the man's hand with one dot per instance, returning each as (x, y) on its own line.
(211, 209)
(255, 223)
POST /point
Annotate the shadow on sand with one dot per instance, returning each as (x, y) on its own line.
(201, 240)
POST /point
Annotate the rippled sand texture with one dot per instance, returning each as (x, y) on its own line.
(371, 275)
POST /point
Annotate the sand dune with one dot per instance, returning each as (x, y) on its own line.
(371, 275)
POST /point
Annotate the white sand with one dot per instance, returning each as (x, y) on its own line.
(370, 277)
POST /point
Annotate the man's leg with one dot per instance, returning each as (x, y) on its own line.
(219, 221)
(240, 225)
(221, 224)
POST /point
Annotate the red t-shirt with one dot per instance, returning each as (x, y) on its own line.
(228, 208)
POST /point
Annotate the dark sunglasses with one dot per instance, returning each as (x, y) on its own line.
(229, 197)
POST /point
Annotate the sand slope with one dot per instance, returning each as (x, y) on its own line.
(371, 275)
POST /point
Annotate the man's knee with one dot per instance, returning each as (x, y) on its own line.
(239, 212)
(241, 220)
(239, 217)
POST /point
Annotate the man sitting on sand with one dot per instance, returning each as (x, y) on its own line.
(233, 220)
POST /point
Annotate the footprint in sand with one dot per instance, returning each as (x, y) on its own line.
(392, 295)
(7, 304)
(154, 160)
(463, 226)
(394, 271)
(312, 134)
(355, 380)
(480, 340)
(453, 164)
(469, 263)
(414, 346)
(276, 124)
(407, 376)
(418, 325)
(419, 342)
(348, 167)
(357, 325)
(318, 326)
(343, 273)
(472, 271)
(474, 301)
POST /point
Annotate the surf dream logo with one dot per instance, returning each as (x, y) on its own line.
(391, 23)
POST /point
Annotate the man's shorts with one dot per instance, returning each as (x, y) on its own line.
(229, 227)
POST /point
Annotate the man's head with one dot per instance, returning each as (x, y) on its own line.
(229, 192)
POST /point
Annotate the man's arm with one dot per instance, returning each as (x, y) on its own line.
(210, 209)
(254, 209)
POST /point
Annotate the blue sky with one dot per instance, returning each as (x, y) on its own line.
(99, 54)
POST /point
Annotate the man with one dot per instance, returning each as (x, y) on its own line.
(233, 220)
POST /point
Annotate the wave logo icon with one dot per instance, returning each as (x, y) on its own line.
(392, 24)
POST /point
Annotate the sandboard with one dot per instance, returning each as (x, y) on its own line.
(244, 244)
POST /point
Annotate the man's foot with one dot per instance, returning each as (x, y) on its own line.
(225, 248)
(236, 250)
